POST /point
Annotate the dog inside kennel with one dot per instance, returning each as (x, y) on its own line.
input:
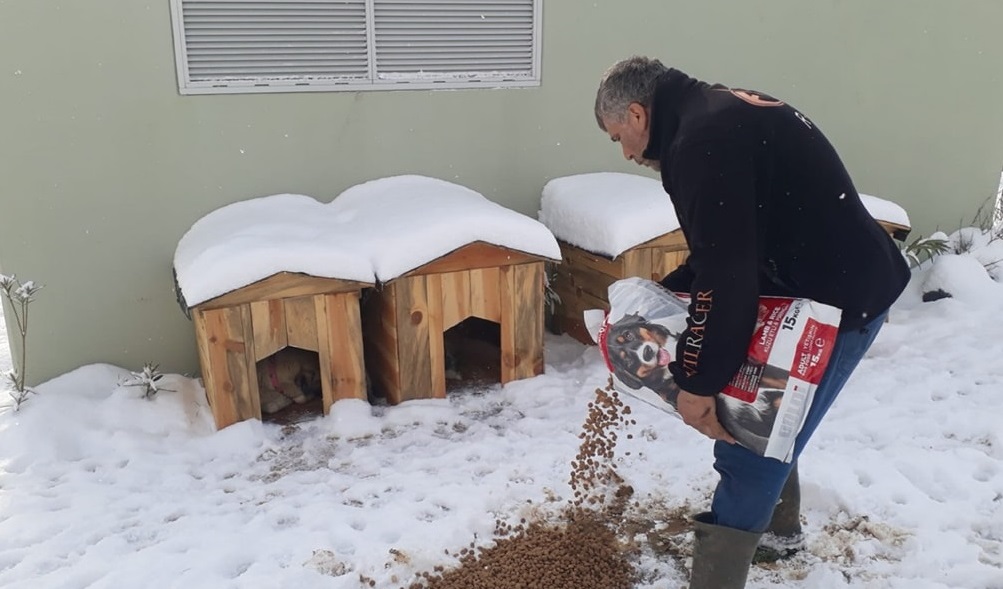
(290, 386)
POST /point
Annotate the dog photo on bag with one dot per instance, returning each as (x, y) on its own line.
(640, 352)
(637, 350)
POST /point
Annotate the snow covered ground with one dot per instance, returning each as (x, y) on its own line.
(100, 488)
(903, 483)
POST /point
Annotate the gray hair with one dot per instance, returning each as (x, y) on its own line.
(629, 80)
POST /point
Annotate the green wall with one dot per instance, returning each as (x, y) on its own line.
(103, 165)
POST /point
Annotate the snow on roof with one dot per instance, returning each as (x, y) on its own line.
(885, 210)
(413, 220)
(379, 229)
(248, 241)
(607, 212)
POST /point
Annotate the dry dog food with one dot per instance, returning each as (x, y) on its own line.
(584, 551)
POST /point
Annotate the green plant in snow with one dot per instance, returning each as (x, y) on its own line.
(149, 379)
(19, 295)
(923, 249)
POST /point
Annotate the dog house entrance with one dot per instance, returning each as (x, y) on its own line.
(473, 354)
(289, 385)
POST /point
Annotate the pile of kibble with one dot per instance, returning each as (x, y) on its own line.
(581, 553)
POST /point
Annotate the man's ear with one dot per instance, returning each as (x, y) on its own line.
(637, 116)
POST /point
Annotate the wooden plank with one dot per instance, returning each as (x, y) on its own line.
(588, 281)
(384, 372)
(412, 340)
(436, 342)
(455, 297)
(507, 335)
(225, 375)
(280, 286)
(339, 331)
(576, 257)
(475, 255)
(380, 340)
(381, 308)
(572, 307)
(325, 355)
(216, 376)
(248, 394)
(673, 239)
(582, 300)
(528, 319)
(205, 356)
(637, 262)
(573, 304)
(268, 319)
(301, 323)
(668, 261)
(897, 231)
(384, 332)
(485, 301)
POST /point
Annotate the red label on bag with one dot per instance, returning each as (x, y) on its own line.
(603, 334)
(814, 350)
(769, 320)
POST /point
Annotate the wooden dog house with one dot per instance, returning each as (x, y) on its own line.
(236, 330)
(582, 279)
(405, 320)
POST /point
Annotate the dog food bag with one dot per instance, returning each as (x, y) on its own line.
(765, 404)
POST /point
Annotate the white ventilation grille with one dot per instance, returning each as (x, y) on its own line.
(289, 45)
(454, 37)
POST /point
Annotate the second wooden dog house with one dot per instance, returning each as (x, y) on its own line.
(612, 226)
(442, 255)
(405, 321)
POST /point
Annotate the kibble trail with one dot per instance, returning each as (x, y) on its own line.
(584, 552)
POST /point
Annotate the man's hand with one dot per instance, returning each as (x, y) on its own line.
(700, 413)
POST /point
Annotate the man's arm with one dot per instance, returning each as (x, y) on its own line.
(714, 184)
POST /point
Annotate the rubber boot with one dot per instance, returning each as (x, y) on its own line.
(783, 537)
(721, 556)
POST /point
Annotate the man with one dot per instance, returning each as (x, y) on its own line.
(767, 208)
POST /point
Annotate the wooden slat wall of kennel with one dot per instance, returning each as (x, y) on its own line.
(404, 323)
(582, 279)
(235, 331)
(379, 322)
(339, 347)
(226, 350)
(270, 330)
(522, 321)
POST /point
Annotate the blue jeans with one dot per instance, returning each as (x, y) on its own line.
(750, 484)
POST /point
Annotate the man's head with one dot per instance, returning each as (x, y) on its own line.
(623, 105)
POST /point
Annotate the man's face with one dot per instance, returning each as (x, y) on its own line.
(632, 134)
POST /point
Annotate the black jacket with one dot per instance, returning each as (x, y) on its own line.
(767, 208)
